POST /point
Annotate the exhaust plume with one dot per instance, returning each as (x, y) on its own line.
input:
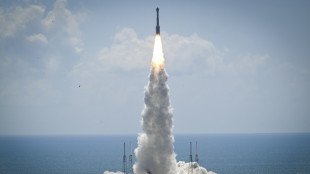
(155, 145)
(155, 153)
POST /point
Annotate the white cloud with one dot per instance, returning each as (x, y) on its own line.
(52, 64)
(248, 61)
(60, 19)
(183, 54)
(60, 23)
(251, 60)
(130, 53)
(192, 53)
(15, 19)
(38, 38)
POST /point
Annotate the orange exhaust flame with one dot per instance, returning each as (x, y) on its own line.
(158, 60)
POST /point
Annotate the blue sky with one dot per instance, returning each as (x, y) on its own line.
(234, 66)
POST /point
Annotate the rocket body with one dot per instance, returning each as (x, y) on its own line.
(157, 26)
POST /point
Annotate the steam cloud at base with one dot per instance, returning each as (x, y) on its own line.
(186, 168)
(182, 168)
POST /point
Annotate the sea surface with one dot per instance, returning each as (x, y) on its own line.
(221, 153)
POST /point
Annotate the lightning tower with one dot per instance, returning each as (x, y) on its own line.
(124, 161)
(130, 161)
(190, 169)
(196, 156)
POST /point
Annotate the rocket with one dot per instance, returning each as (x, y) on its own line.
(157, 26)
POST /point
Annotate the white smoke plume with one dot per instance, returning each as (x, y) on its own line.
(155, 154)
(155, 146)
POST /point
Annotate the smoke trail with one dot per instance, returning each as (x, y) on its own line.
(155, 146)
(155, 153)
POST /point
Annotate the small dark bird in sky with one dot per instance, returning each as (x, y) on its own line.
(79, 86)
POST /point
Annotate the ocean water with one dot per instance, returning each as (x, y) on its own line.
(223, 154)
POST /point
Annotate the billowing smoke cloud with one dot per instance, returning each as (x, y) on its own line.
(155, 146)
(155, 152)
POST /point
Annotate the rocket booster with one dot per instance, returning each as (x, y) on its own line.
(157, 26)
